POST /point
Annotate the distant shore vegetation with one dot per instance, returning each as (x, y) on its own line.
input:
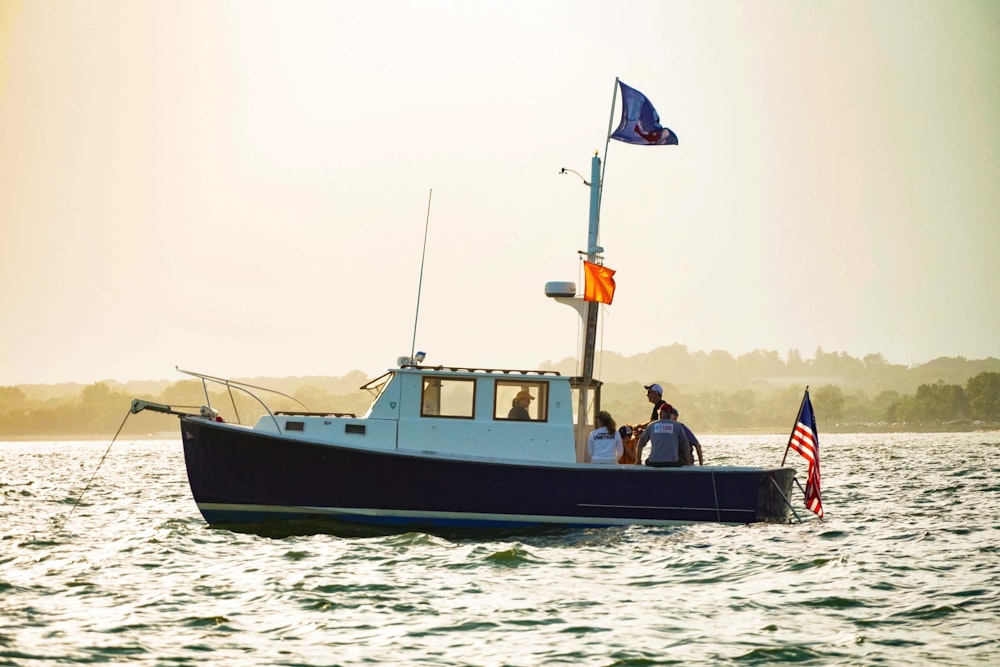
(715, 392)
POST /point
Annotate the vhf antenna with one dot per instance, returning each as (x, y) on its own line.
(420, 283)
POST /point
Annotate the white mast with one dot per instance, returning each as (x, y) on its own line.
(588, 310)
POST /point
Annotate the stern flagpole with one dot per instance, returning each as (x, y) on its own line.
(798, 416)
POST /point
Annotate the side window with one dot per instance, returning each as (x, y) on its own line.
(521, 400)
(448, 398)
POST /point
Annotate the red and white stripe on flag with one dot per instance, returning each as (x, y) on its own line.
(804, 442)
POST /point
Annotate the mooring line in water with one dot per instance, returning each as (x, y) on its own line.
(100, 463)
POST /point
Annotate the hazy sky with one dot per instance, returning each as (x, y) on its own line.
(241, 188)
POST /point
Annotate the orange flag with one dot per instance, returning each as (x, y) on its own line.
(599, 283)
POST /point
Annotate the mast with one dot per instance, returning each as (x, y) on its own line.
(566, 293)
(593, 250)
(592, 307)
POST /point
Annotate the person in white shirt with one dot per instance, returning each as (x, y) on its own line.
(605, 442)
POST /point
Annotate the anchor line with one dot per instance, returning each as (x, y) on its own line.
(100, 463)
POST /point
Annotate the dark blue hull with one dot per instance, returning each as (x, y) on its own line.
(240, 477)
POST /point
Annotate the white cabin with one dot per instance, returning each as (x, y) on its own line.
(451, 412)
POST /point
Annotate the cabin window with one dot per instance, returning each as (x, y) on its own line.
(448, 397)
(506, 405)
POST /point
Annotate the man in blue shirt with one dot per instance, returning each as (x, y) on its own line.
(690, 436)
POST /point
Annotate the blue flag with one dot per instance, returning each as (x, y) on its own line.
(640, 123)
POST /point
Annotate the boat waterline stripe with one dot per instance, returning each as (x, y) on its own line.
(467, 516)
(664, 507)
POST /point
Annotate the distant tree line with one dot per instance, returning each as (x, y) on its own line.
(759, 390)
(714, 391)
(677, 365)
(937, 406)
(102, 408)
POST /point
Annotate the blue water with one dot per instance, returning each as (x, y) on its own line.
(904, 571)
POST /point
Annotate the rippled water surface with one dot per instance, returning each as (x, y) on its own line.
(904, 571)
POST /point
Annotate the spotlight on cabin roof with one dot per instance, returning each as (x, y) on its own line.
(415, 360)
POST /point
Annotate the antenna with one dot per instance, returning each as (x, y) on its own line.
(420, 283)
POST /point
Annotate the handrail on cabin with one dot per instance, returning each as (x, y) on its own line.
(245, 388)
(471, 369)
(376, 384)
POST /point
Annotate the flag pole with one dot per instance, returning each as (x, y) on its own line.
(797, 416)
(607, 141)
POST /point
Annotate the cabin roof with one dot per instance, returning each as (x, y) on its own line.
(464, 371)
(472, 370)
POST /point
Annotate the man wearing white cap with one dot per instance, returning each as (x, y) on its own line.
(654, 393)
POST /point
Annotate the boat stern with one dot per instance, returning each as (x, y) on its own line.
(773, 499)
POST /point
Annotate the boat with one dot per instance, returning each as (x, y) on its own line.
(438, 450)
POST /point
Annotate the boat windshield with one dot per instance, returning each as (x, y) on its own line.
(377, 386)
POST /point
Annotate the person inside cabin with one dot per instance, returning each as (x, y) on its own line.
(605, 442)
(692, 439)
(519, 406)
(671, 448)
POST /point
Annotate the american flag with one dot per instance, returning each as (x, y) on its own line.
(805, 440)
